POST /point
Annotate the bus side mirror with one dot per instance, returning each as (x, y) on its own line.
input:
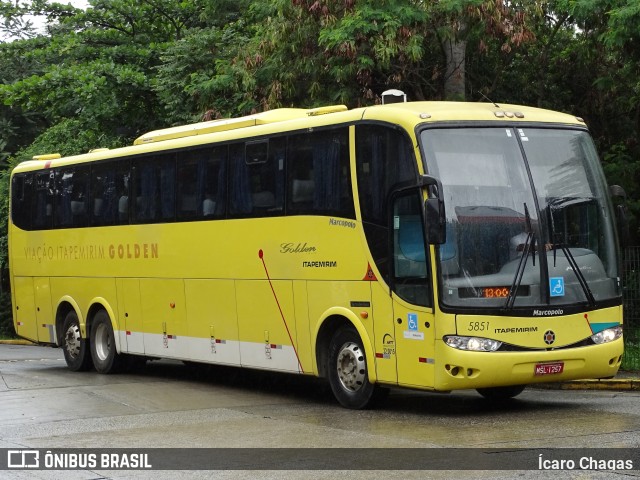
(622, 221)
(435, 219)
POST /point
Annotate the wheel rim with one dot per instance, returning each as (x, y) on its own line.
(72, 341)
(102, 342)
(351, 367)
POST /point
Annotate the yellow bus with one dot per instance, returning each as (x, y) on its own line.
(428, 245)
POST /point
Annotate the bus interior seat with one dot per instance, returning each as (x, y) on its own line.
(208, 207)
(302, 191)
(264, 200)
(77, 207)
(449, 253)
(410, 257)
(188, 204)
(123, 207)
(97, 206)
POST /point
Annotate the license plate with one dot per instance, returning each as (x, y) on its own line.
(549, 368)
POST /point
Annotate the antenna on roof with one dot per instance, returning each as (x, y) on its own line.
(488, 99)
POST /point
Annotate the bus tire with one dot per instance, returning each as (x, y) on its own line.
(75, 348)
(347, 370)
(103, 345)
(501, 393)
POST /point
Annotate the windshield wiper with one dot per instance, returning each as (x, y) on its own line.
(529, 245)
(581, 280)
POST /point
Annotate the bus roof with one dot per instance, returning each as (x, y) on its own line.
(429, 112)
(408, 115)
(202, 128)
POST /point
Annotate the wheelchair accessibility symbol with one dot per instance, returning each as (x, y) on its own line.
(556, 286)
(412, 319)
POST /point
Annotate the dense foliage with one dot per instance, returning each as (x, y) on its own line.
(101, 76)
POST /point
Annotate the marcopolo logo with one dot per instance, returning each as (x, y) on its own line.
(547, 313)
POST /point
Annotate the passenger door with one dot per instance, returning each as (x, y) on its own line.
(411, 296)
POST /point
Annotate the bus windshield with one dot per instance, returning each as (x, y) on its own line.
(529, 222)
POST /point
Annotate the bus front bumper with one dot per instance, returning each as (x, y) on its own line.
(459, 369)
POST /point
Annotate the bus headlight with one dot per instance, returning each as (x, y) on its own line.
(608, 335)
(474, 344)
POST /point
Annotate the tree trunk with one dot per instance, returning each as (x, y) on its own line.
(454, 81)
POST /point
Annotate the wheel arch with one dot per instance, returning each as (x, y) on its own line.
(67, 304)
(331, 322)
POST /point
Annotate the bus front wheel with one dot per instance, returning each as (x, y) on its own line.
(75, 348)
(103, 344)
(348, 370)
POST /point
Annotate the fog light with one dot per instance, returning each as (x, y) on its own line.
(607, 335)
(474, 344)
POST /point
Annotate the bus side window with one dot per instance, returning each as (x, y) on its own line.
(319, 178)
(154, 189)
(202, 183)
(187, 176)
(257, 178)
(240, 203)
(301, 182)
(261, 176)
(71, 197)
(110, 192)
(43, 200)
(21, 200)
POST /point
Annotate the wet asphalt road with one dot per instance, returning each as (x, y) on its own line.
(168, 404)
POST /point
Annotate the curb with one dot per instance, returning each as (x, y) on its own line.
(617, 384)
(16, 342)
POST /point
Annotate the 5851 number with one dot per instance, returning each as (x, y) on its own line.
(478, 326)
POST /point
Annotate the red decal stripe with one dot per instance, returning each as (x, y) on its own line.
(261, 255)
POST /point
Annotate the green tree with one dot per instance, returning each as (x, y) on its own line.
(98, 65)
(198, 76)
(348, 52)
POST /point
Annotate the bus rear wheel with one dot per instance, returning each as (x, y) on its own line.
(347, 370)
(103, 345)
(75, 348)
(501, 393)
